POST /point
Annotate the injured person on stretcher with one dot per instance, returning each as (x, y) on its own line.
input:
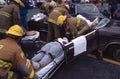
(48, 53)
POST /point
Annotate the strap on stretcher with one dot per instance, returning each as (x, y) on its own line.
(69, 52)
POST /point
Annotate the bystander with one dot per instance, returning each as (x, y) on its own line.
(23, 14)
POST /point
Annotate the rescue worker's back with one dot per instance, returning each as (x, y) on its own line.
(9, 15)
(54, 30)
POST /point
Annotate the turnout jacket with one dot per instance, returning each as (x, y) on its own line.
(12, 59)
(56, 12)
(75, 26)
(46, 8)
(54, 30)
(9, 15)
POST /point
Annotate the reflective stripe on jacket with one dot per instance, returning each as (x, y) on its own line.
(13, 53)
(4, 64)
(56, 12)
(5, 14)
(9, 15)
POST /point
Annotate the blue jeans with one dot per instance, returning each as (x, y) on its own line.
(53, 48)
(23, 21)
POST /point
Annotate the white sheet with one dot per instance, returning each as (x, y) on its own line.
(80, 45)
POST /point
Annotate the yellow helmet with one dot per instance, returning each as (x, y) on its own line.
(20, 3)
(61, 19)
(16, 30)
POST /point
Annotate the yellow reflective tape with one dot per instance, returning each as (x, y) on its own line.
(27, 64)
(1, 65)
(5, 64)
(78, 22)
(5, 14)
(1, 46)
(22, 55)
(10, 74)
(57, 11)
(52, 21)
(83, 30)
(67, 32)
(31, 74)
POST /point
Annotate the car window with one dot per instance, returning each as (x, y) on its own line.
(102, 23)
(86, 8)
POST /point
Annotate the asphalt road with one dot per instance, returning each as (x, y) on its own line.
(84, 67)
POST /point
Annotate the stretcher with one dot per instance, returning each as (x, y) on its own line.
(47, 71)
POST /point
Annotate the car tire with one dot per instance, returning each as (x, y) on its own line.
(114, 52)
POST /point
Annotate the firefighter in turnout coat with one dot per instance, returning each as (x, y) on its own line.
(54, 30)
(73, 26)
(46, 8)
(13, 63)
(9, 15)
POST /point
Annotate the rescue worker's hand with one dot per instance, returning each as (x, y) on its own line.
(30, 33)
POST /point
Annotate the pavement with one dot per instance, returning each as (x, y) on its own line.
(84, 67)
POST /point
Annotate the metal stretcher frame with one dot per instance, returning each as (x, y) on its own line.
(51, 72)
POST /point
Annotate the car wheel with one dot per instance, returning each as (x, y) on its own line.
(114, 52)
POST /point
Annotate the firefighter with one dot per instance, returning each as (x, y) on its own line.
(9, 15)
(53, 28)
(73, 26)
(13, 63)
(46, 8)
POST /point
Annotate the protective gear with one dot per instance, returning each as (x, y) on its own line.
(16, 57)
(9, 15)
(61, 19)
(46, 8)
(75, 27)
(20, 3)
(16, 30)
(54, 31)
